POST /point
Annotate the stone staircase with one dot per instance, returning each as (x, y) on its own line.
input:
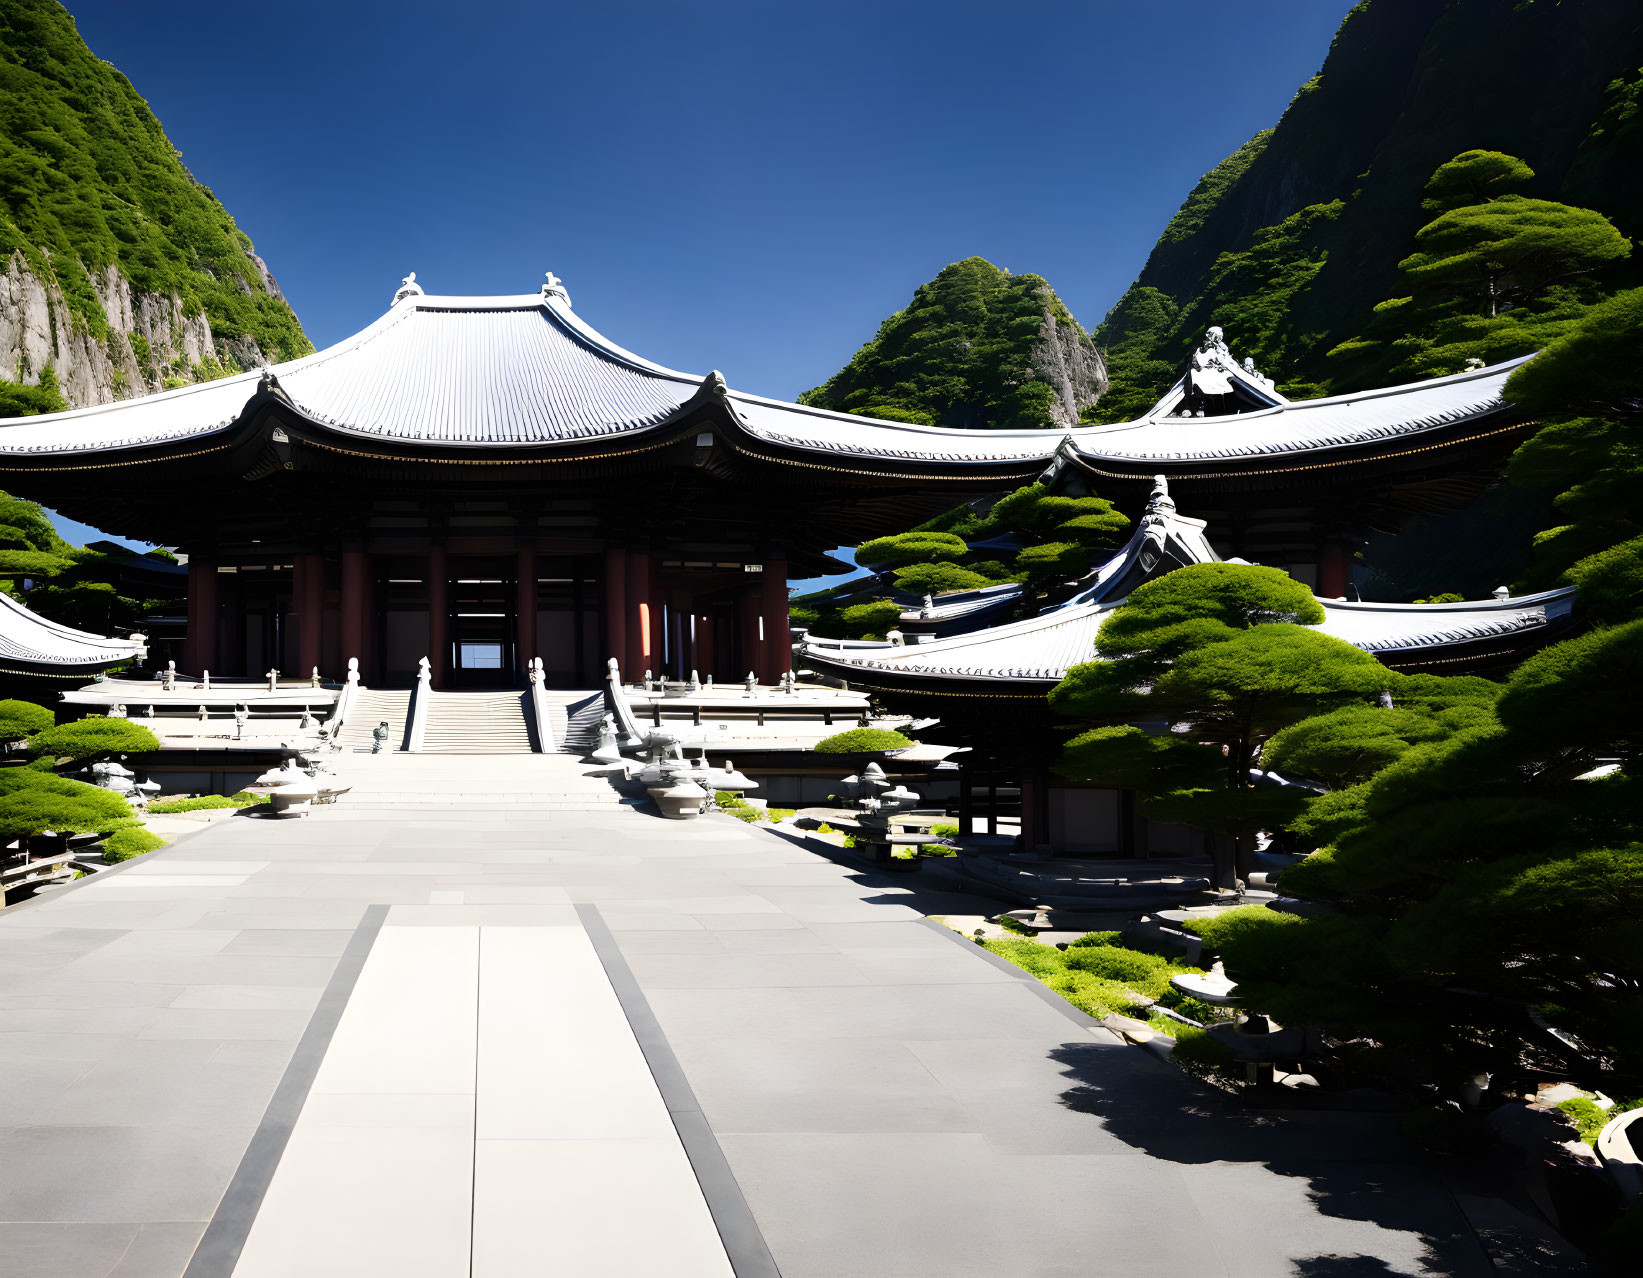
(477, 723)
(456, 784)
(371, 706)
(573, 720)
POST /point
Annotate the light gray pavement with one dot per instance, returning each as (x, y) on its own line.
(889, 1101)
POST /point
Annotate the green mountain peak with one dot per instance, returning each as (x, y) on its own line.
(976, 347)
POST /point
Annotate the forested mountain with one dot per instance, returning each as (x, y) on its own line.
(120, 274)
(976, 347)
(1292, 241)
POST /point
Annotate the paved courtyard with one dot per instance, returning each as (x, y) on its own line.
(448, 1042)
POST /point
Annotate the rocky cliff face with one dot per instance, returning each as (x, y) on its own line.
(119, 272)
(976, 348)
(1065, 359)
(151, 342)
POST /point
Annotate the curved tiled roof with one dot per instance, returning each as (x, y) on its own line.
(30, 642)
(1041, 650)
(516, 371)
(1312, 425)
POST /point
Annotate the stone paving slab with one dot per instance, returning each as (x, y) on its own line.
(885, 1099)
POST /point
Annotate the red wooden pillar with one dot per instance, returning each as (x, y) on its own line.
(355, 603)
(439, 615)
(200, 645)
(616, 616)
(525, 610)
(308, 600)
(778, 645)
(1334, 569)
(643, 617)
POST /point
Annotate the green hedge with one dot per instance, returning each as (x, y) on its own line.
(21, 719)
(863, 741)
(90, 738)
(207, 802)
(132, 841)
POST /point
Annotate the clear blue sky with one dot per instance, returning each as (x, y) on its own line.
(744, 186)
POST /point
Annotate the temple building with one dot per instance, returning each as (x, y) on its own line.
(486, 480)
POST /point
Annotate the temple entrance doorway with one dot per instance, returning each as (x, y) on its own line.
(482, 630)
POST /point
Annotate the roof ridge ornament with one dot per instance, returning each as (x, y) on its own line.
(408, 287)
(714, 385)
(555, 287)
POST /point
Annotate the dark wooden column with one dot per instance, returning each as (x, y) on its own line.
(308, 602)
(525, 610)
(747, 626)
(439, 615)
(232, 655)
(616, 603)
(355, 603)
(706, 652)
(200, 646)
(778, 646)
(1334, 569)
(643, 623)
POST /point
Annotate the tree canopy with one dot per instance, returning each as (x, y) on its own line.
(94, 738)
(1214, 652)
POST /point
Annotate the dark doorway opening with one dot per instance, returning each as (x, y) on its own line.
(482, 631)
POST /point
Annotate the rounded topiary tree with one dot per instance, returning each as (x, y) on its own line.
(935, 579)
(32, 802)
(870, 620)
(94, 738)
(20, 720)
(911, 548)
(863, 741)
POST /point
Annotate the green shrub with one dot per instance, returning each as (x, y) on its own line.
(1242, 925)
(32, 801)
(1145, 973)
(862, 741)
(729, 799)
(944, 830)
(207, 803)
(745, 813)
(936, 849)
(132, 841)
(1199, 1054)
(1012, 924)
(862, 621)
(936, 579)
(1030, 956)
(21, 719)
(1053, 560)
(1096, 995)
(1588, 1116)
(1095, 938)
(911, 548)
(94, 737)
